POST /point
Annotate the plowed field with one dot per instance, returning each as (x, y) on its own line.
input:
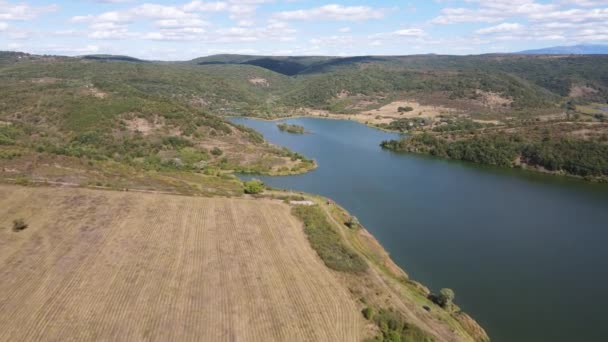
(121, 266)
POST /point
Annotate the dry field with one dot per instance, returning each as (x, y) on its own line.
(389, 113)
(120, 266)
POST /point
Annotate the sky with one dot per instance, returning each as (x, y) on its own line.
(182, 30)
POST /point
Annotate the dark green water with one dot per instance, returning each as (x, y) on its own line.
(526, 254)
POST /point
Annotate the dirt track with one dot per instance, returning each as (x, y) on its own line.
(103, 265)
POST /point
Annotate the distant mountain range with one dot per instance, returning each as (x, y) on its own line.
(581, 49)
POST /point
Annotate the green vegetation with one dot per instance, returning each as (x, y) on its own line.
(446, 298)
(575, 157)
(294, 129)
(458, 124)
(327, 242)
(393, 327)
(404, 125)
(164, 116)
(353, 222)
(254, 186)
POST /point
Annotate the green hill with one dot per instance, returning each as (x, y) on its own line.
(89, 106)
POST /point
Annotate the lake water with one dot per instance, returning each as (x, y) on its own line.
(526, 254)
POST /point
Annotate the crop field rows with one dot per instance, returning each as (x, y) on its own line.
(103, 265)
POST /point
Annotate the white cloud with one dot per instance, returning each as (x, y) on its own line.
(344, 29)
(175, 23)
(491, 11)
(113, 1)
(573, 15)
(334, 12)
(3, 26)
(161, 12)
(502, 28)
(585, 3)
(334, 41)
(22, 11)
(206, 6)
(411, 33)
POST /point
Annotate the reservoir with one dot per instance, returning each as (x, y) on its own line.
(525, 253)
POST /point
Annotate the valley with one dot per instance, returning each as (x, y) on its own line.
(96, 149)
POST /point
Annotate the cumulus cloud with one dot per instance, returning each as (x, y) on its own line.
(573, 15)
(502, 28)
(22, 11)
(585, 3)
(491, 11)
(410, 33)
(334, 12)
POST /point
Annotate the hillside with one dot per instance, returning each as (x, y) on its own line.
(168, 116)
(285, 65)
(146, 117)
(580, 49)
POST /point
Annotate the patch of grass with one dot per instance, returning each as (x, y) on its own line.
(327, 242)
(394, 328)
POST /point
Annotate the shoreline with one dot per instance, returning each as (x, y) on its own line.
(303, 116)
(392, 282)
(531, 169)
(395, 277)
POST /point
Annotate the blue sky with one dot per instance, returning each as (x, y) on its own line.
(180, 30)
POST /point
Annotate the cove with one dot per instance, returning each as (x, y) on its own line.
(526, 253)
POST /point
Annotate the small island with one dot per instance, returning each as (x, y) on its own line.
(294, 129)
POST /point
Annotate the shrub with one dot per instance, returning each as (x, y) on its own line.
(19, 225)
(368, 313)
(405, 109)
(353, 222)
(254, 186)
(327, 242)
(394, 327)
(446, 298)
(21, 180)
(216, 151)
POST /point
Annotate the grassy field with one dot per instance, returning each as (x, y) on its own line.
(105, 265)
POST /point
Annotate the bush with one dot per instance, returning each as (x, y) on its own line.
(254, 186)
(216, 151)
(19, 225)
(368, 313)
(405, 109)
(446, 298)
(353, 222)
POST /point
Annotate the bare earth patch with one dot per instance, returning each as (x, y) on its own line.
(104, 265)
(492, 99)
(259, 81)
(91, 90)
(389, 113)
(142, 125)
(581, 91)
